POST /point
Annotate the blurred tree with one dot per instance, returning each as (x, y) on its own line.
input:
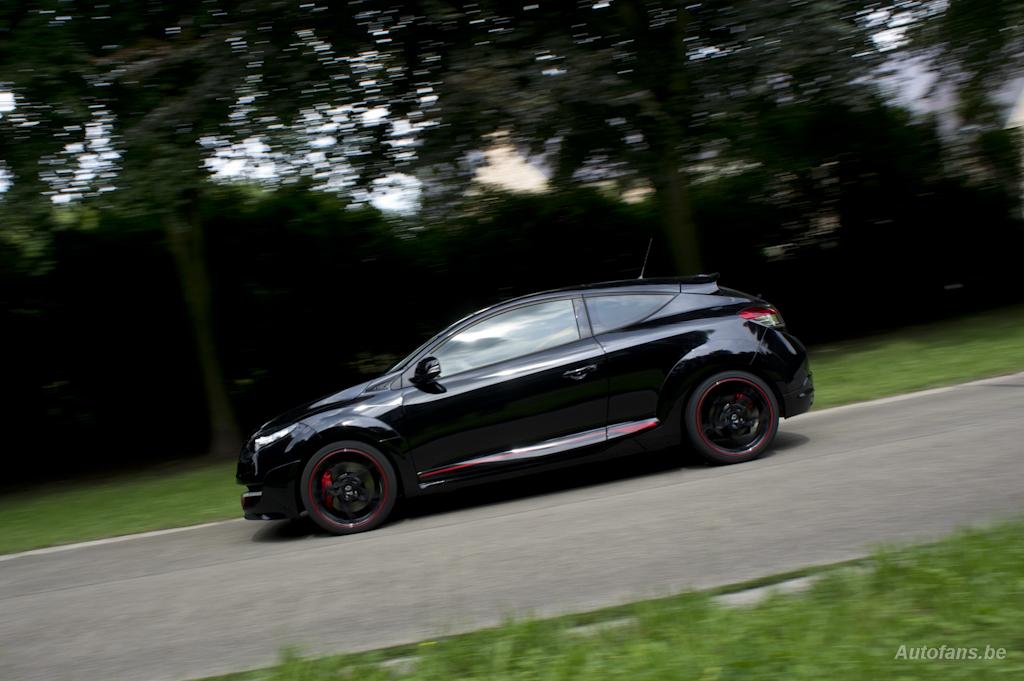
(312, 294)
(975, 49)
(641, 92)
(170, 78)
(976, 46)
(149, 99)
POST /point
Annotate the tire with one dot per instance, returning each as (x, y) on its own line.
(349, 487)
(732, 417)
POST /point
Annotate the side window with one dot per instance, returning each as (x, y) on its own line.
(614, 312)
(509, 334)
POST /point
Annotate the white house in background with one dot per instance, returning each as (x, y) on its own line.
(1016, 120)
(1016, 117)
(506, 168)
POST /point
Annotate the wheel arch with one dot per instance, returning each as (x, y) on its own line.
(368, 431)
(692, 369)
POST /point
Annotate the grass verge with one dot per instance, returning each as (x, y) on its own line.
(964, 592)
(895, 362)
(75, 511)
(919, 357)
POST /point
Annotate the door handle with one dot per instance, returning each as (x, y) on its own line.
(580, 373)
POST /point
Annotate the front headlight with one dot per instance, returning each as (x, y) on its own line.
(269, 439)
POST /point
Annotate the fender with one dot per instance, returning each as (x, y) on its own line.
(736, 352)
(341, 424)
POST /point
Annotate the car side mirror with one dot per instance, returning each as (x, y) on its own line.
(428, 370)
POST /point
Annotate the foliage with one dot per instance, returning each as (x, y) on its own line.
(755, 126)
(349, 93)
(635, 92)
(310, 293)
(975, 46)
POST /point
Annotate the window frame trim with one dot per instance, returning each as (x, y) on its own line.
(618, 294)
(472, 322)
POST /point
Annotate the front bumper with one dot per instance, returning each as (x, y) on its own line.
(271, 475)
(276, 497)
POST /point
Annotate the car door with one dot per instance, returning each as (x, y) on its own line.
(515, 388)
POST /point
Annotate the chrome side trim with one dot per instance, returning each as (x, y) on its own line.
(630, 427)
(546, 448)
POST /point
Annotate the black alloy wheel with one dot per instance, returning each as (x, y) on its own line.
(732, 416)
(349, 487)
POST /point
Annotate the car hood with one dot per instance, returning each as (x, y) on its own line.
(342, 398)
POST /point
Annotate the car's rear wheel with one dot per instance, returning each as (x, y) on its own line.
(349, 487)
(731, 417)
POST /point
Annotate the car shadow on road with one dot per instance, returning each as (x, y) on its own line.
(550, 482)
(786, 440)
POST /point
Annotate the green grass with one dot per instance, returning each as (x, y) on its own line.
(966, 591)
(71, 510)
(919, 357)
(900, 361)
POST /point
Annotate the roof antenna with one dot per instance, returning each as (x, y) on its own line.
(646, 255)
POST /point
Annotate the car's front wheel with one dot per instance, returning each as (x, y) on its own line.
(349, 487)
(731, 417)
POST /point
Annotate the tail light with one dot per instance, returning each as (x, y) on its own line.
(766, 316)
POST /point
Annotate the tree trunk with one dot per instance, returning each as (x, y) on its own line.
(186, 242)
(673, 200)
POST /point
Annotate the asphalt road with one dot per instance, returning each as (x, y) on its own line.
(229, 596)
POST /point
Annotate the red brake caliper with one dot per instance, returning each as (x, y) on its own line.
(325, 482)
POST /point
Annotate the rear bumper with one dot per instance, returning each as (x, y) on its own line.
(783, 359)
(799, 401)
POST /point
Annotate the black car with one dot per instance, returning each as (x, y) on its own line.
(547, 380)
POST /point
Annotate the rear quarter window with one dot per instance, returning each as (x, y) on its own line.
(608, 313)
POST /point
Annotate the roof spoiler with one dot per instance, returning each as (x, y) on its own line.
(699, 283)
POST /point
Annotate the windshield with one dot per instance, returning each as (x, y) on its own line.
(408, 358)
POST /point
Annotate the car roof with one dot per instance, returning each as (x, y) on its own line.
(700, 283)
